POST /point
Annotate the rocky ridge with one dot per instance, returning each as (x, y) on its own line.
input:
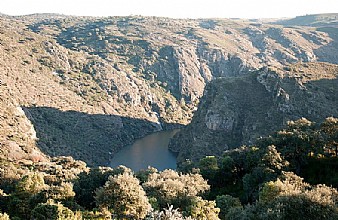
(113, 80)
(237, 111)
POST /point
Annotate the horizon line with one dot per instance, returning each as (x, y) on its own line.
(156, 16)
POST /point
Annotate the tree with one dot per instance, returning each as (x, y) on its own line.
(88, 182)
(286, 184)
(253, 181)
(208, 167)
(53, 211)
(31, 184)
(225, 203)
(62, 192)
(273, 160)
(186, 166)
(227, 173)
(167, 214)
(29, 191)
(201, 209)
(290, 198)
(170, 187)
(270, 165)
(330, 128)
(124, 197)
(243, 160)
(4, 216)
(143, 175)
(297, 142)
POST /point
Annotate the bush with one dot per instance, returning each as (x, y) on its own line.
(167, 214)
(31, 184)
(225, 203)
(88, 182)
(170, 187)
(203, 209)
(290, 198)
(4, 216)
(52, 211)
(124, 197)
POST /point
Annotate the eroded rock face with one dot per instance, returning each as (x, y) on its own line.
(238, 110)
(191, 82)
(220, 122)
(183, 55)
(149, 74)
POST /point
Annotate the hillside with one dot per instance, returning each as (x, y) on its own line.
(49, 82)
(76, 90)
(182, 55)
(237, 111)
(315, 20)
(91, 86)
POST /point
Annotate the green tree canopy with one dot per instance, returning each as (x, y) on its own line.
(170, 187)
(330, 129)
(53, 211)
(124, 197)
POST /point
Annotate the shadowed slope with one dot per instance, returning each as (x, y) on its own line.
(93, 138)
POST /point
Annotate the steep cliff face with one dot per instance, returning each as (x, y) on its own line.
(238, 110)
(78, 103)
(181, 56)
(141, 74)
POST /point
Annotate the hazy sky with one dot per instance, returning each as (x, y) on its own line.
(172, 8)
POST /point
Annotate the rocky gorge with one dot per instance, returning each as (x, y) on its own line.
(237, 111)
(91, 86)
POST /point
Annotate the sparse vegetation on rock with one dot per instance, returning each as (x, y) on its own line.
(261, 98)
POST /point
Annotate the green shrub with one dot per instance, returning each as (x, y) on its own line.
(124, 197)
(52, 211)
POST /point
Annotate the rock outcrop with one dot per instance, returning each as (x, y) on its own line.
(235, 111)
(142, 74)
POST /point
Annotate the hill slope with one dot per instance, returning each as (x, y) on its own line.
(314, 20)
(238, 110)
(92, 85)
(39, 75)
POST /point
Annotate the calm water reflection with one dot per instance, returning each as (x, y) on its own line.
(151, 150)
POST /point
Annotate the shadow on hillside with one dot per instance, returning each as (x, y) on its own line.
(91, 138)
(329, 52)
(322, 100)
(259, 113)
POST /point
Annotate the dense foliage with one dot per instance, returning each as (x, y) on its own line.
(266, 181)
(123, 195)
(275, 179)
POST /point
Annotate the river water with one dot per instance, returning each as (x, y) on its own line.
(152, 150)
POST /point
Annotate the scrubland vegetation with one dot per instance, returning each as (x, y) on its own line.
(75, 90)
(290, 174)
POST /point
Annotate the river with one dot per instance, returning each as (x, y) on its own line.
(151, 150)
